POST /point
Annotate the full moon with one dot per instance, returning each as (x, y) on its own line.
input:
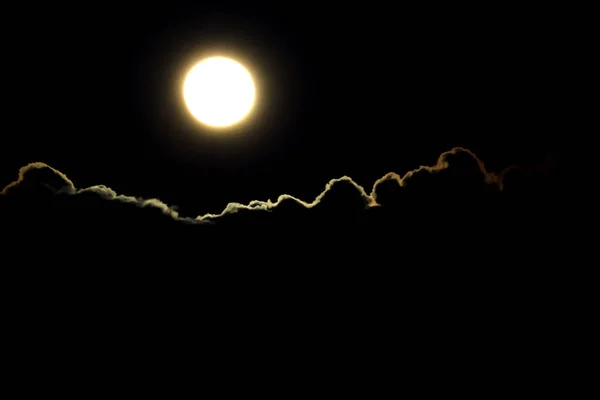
(219, 92)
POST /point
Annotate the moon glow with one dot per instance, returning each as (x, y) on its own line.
(219, 92)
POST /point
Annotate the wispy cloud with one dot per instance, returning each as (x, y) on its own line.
(370, 198)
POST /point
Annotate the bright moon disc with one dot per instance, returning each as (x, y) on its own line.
(219, 91)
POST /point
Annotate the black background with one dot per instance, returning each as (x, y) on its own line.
(458, 279)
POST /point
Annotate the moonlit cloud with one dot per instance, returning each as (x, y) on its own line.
(66, 186)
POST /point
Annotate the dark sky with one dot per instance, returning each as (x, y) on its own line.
(356, 91)
(450, 272)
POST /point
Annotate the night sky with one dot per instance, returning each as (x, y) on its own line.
(95, 94)
(359, 93)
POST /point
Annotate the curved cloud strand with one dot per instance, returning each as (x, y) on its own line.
(370, 199)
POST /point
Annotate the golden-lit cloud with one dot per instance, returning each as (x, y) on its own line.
(370, 198)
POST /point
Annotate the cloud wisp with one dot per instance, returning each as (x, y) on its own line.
(370, 198)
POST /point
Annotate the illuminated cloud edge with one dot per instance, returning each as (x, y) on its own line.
(370, 199)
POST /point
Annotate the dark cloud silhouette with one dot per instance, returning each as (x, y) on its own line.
(455, 205)
(439, 247)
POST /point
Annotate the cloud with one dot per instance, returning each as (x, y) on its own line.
(39, 176)
(453, 220)
(63, 184)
